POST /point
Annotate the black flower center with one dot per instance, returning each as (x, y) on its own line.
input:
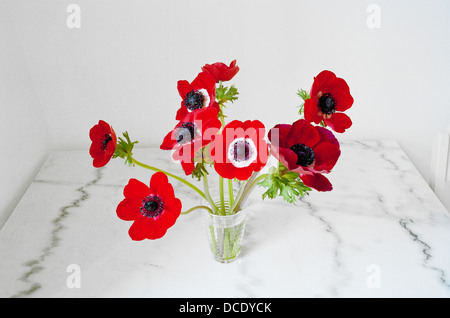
(241, 150)
(185, 133)
(327, 104)
(105, 142)
(152, 206)
(305, 155)
(194, 100)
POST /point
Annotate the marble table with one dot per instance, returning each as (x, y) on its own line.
(380, 233)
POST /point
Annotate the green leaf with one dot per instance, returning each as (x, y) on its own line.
(199, 170)
(225, 94)
(284, 183)
(305, 96)
(201, 159)
(124, 149)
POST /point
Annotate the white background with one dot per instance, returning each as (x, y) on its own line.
(124, 62)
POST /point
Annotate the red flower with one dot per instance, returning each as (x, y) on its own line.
(240, 149)
(220, 71)
(191, 133)
(153, 209)
(306, 149)
(201, 93)
(103, 144)
(330, 96)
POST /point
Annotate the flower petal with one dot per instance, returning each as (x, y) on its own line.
(99, 131)
(138, 230)
(326, 156)
(183, 88)
(158, 182)
(341, 94)
(311, 111)
(339, 122)
(128, 209)
(188, 167)
(278, 135)
(288, 158)
(317, 182)
(169, 141)
(322, 82)
(327, 136)
(303, 132)
(136, 189)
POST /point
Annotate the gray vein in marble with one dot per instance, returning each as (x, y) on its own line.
(425, 250)
(404, 222)
(35, 265)
(313, 211)
(76, 183)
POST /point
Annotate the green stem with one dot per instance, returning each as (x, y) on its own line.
(204, 207)
(261, 177)
(249, 186)
(238, 196)
(230, 192)
(222, 199)
(207, 195)
(190, 185)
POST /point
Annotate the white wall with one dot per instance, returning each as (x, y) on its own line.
(123, 64)
(23, 130)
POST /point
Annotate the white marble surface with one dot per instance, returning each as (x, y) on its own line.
(380, 233)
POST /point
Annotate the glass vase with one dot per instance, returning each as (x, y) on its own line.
(225, 234)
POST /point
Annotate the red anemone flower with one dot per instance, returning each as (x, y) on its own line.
(240, 149)
(306, 149)
(103, 144)
(220, 71)
(153, 209)
(201, 93)
(330, 96)
(192, 133)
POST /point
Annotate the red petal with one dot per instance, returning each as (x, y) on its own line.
(169, 141)
(213, 70)
(174, 207)
(278, 135)
(170, 215)
(317, 182)
(97, 132)
(303, 133)
(311, 111)
(204, 80)
(322, 82)
(229, 74)
(327, 136)
(341, 94)
(339, 122)
(225, 170)
(155, 230)
(110, 148)
(128, 209)
(96, 151)
(182, 112)
(100, 162)
(183, 88)
(288, 158)
(136, 189)
(243, 173)
(138, 229)
(188, 167)
(158, 182)
(166, 193)
(326, 156)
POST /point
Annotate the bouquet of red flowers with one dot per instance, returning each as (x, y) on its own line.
(305, 150)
